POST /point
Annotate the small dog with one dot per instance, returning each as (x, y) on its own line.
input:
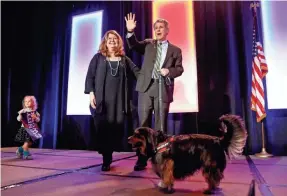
(177, 157)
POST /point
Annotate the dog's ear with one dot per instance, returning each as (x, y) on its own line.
(150, 136)
(159, 133)
(160, 136)
(150, 139)
(146, 132)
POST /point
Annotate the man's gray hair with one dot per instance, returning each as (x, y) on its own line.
(161, 20)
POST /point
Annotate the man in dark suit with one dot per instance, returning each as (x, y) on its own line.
(161, 59)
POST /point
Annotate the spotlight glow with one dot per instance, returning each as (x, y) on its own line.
(275, 40)
(85, 41)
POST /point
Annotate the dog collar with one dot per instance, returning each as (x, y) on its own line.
(164, 146)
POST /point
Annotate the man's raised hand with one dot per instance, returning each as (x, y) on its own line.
(130, 22)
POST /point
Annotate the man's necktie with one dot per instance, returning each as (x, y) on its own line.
(156, 69)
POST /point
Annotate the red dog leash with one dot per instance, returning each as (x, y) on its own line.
(164, 146)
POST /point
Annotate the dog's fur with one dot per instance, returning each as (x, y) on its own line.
(177, 157)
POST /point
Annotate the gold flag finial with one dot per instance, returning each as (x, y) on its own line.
(254, 5)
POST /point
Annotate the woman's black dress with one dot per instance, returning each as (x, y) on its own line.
(110, 123)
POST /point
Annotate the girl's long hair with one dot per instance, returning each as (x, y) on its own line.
(34, 102)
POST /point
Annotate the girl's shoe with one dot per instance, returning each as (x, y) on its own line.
(27, 155)
(19, 152)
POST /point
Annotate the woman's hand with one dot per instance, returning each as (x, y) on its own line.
(130, 22)
(149, 40)
(93, 100)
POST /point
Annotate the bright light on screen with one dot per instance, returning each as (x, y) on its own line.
(275, 49)
(181, 24)
(86, 38)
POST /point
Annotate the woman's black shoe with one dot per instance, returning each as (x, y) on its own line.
(140, 167)
(106, 167)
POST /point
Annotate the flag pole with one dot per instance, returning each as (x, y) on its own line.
(263, 153)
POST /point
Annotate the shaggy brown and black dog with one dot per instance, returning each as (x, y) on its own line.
(177, 157)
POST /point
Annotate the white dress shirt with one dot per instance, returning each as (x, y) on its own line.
(164, 46)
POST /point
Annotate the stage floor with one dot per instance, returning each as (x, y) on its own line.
(76, 172)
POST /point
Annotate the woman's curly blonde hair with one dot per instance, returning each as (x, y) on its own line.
(103, 49)
(34, 102)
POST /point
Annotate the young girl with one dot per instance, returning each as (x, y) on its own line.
(29, 130)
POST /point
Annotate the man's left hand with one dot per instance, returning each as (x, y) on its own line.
(164, 72)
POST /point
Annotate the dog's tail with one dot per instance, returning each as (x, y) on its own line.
(235, 135)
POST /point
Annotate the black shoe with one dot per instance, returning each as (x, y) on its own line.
(140, 167)
(106, 167)
(107, 160)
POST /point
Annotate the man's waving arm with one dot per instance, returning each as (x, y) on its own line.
(133, 43)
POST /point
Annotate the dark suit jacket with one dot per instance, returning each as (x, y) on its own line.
(96, 76)
(173, 62)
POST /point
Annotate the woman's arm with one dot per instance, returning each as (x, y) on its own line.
(135, 69)
(90, 77)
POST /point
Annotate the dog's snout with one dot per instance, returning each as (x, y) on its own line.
(130, 138)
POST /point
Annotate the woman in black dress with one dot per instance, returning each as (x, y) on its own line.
(108, 81)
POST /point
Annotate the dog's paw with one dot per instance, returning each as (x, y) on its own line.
(212, 191)
(208, 192)
(161, 185)
(167, 190)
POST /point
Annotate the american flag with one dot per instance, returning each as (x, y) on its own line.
(259, 70)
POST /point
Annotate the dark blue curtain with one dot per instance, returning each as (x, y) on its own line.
(26, 60)
(224, 52)
(36, 44)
